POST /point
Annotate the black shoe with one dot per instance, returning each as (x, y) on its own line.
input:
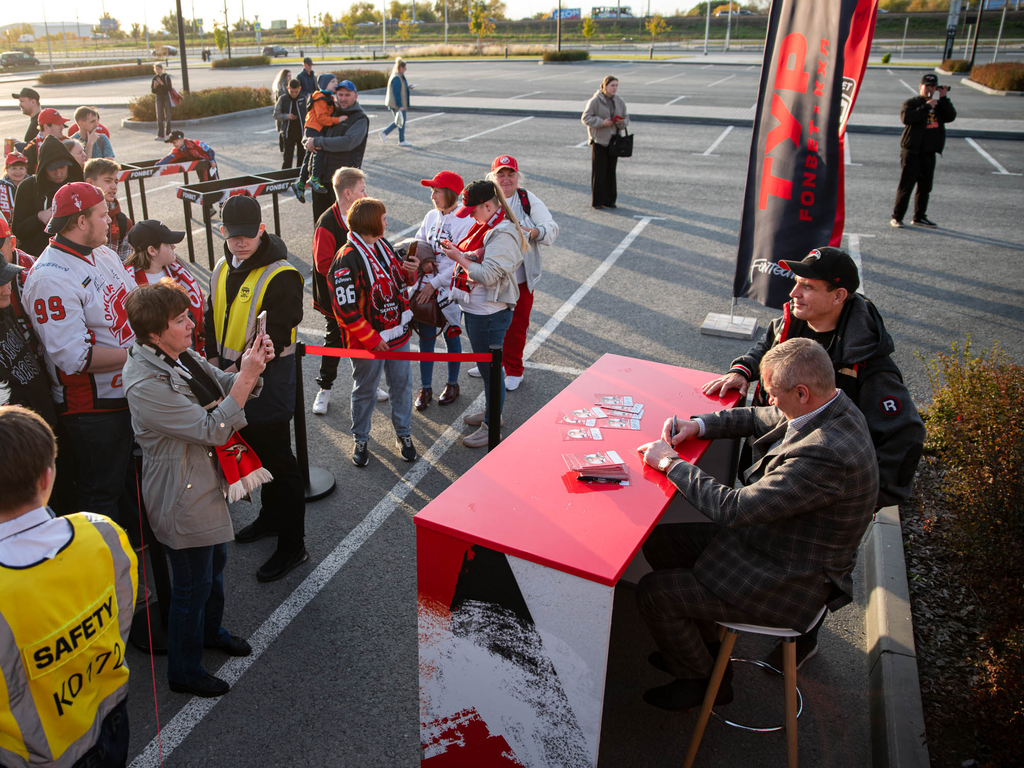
(657, 660)
(236, 646)
(280, 563)
(684, 695)
(360, 454)
(924, 221)
(806, 647)
(254, 532)
(207, 688)
(407, 448)
(611, 205)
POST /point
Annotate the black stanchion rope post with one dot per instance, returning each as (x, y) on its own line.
(494, 399)
(319, 482)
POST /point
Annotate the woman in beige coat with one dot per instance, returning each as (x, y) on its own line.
(604, 115)
(182, 408)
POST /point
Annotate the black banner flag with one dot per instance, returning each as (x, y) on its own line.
(814, 60)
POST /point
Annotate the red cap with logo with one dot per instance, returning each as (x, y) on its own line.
(15, 157)
(445, 180)
(50, 116)
(505, 161)
(70, 199)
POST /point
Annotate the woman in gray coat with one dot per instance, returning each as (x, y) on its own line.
(182, 409)
(604, 115)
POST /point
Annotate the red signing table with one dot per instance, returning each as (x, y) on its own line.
(517, 562)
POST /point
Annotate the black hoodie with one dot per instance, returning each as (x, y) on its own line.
(36, 193)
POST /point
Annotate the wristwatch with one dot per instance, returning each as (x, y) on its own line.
(666, 463)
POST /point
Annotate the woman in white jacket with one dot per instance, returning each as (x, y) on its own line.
(540, 229)
(438, 225)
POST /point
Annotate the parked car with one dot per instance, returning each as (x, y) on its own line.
(367, 24)
(274, 51)
(166, 50)
(17, 59)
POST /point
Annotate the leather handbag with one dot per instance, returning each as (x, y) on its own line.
(621, 144)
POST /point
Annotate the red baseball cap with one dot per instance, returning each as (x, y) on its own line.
(50, 116)
(71, 199)
(15, 157)
(445, 180)
(505, 161)
(5, 229)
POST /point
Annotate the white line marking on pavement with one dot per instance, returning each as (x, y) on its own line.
(854, 250)
(269, 130)
(554, 368)
(546, 77)
(424, 117)
(1000, 170)
(581, 144)
(459, 93)
(663, 79)
(753, 107)
(707, 66)
(189, 716)
(523, 95)
(890, 71)
(753, 67)
(719, 82)
(908, 87)
(846, 150)
(677, 98)
(492, 130)
(718, 141)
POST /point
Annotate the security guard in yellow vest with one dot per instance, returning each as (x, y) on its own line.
(254, 275)
(67, 594)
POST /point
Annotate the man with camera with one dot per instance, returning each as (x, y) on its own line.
(924, 135)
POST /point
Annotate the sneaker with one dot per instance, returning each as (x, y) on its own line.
(512, 383)
(360, 454)
(300, 192)
(383, 137)
(323, 399)
(477, 439)
(382, 396)
(407, 448)
(923, 221)
(316, 186)
(405, 143)
(806, 648)
(476, 419)
(895, 223)
(475, 373)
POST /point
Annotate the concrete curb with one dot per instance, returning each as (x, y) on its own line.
(895, 710)
(990, 91)
(141, 125)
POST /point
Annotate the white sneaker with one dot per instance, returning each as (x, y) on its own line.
(382, 396)
(475, 373)
(512, 383)
(405, 143)
(383, 137)
(322, 400)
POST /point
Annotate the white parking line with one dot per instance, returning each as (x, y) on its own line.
(718, 141)
(424, 117)
(846, 150)
(554, 368)
(719, 82)
(546, 77)
(522, 95)
(707, 66)
(459, 93)
(189, 716)
(677, 98)
(581, 144)
(908, 87)
(269, 130)
(854, 250)
(890, 71)
(753, 67)
(663, 79)
(1000, 171)
(492, 130)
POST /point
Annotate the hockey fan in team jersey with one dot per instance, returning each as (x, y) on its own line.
(34, 200)
(75, 297)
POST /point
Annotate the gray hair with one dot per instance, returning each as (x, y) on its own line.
(520, 178)
(799, 361)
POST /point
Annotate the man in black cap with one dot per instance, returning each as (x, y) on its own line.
(924, 135)
(307, 79)
(343, 144)
(34, 198)
(825, 307)
(254, 276)
(28, 100)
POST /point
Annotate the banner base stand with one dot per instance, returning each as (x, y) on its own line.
(729, 326)
(321, 483)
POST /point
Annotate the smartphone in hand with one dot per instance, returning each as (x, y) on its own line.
(261, 323)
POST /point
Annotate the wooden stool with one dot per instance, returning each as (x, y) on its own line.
(727, 633)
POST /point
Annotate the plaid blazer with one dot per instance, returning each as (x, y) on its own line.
(789, 536)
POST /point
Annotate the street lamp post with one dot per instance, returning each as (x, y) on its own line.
(181, 48)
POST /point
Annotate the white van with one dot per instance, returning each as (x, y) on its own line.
(27, 39)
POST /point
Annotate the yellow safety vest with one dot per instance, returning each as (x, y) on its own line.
(63, 626)
(240, 317)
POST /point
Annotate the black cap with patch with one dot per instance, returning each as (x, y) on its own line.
(930, 79)
(242, 216)
(28, 93)
(830, 264)
(152, 233)
(174, 135)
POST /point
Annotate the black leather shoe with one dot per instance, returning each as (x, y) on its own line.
(236, 646)
(360, 454)
(684, 695)
(255, 531)
(280, 564)
(207, 688)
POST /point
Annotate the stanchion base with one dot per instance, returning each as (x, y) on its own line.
(321, 483)
(139, 634)
(729, 326)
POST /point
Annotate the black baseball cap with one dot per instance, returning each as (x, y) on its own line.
(28, 93)
(307, 60)
(930, 79)
(152, 233)
(174, 135)
(241, 216)
(8, 271)
(832, 265)
(476, 193)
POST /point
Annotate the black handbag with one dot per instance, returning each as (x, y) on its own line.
(621, 144)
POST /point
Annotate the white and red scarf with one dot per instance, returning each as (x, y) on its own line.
(472, 245)
(389, 306)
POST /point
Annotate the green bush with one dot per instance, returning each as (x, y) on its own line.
(566, 55)
(956, 65)
(241, 61)
(1008, 76)
(212, 101)
(886, 58)
(364, 79)
(89, 75)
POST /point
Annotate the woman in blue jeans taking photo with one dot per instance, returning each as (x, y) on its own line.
(484, 284)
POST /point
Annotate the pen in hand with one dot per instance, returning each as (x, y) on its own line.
(675, 429)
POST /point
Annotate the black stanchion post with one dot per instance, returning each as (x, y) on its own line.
(318, 481)
(128, 195)
(142, 198)
(494, 399)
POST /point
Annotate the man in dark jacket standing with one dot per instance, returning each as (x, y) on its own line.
(254, 276)
(28, 100)
(290, 113)
(307, 78)
(344, 143)
(924, 135)
(33, 201)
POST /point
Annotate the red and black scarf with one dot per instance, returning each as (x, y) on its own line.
(472, 245)
(389, 305)
(114, 233)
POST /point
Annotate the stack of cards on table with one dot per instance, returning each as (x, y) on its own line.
(600, 419)
(605, 465)
(617, 405)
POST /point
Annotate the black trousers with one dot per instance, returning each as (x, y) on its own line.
(329, 365)
(917, 168)
(284, 499)
(602, 176)
(322, 201)
(293, 146)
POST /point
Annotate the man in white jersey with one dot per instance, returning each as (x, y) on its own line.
(75, 296)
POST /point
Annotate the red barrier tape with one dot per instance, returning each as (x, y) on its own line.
(369, 354)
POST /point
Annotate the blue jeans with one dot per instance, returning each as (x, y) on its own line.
(394, 124)
(366, 379)
(427, 343)
(102, 443)
(197, 607)
(483, 331)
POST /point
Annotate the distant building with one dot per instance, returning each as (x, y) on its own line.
(81, 29)
(279, 24)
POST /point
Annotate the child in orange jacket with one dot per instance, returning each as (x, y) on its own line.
(319, 116)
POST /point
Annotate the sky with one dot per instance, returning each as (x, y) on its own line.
(150, 11)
